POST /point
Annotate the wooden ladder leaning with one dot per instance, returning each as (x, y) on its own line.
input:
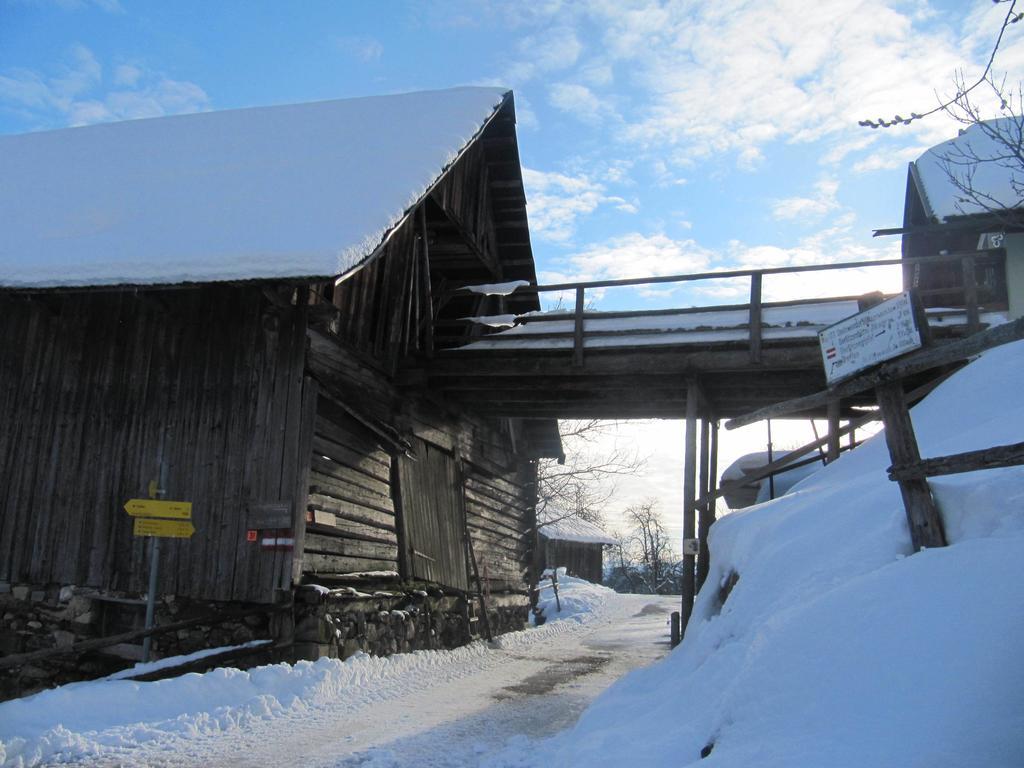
(479, 586)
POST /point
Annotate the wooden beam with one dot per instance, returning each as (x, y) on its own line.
(915, 362)
(755, 317)
(833, 429)
(689, 501)
(970, 461)
(971, 294)
(922, 514)
(702, 494)
(577, 341)
(850, 428)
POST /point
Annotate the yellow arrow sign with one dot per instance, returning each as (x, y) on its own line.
(178, 510)
(173, 529)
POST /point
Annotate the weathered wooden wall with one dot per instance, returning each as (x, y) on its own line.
(94, 385)
(497, 503)
(579, 559)
(351, 516)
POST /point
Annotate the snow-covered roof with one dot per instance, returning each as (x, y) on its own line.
(998, 182)
(303, 190)
(788, 322)
(553, 526)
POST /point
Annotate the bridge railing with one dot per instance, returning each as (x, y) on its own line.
(756, 304)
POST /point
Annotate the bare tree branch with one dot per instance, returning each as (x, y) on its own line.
(1012, 17)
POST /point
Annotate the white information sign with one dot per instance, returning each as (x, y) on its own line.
(873, 336)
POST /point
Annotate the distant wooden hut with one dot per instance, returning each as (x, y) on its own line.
(573, 544)
(234, 305)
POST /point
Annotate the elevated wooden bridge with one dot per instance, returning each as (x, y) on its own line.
(635, 364)
(700, 364)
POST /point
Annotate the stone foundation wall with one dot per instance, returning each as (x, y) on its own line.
(339, 623)
(36, 617)
(335, 624)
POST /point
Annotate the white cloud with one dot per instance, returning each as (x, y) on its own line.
(809, 207)
(733, 77)
(578, 100)
(363, 47)
(889, 158)
(77, 93)
(552, 50)
(639, 255)
(556, 200)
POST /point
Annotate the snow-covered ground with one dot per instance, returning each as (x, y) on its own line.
(424, 708)
(837, 646)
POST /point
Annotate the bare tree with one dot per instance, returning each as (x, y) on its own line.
(653, 549)
(584, 485)
(999, 150)
(963, 89)
(987, 173)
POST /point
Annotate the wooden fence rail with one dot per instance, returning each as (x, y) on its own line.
(969, 461)
(756, 306)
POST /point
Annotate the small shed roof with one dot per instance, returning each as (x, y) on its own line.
(296, 191)
(998, 180)
(557, 528)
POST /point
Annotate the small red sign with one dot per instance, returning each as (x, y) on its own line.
(251, 535)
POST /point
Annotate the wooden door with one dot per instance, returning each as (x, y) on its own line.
(433, 516)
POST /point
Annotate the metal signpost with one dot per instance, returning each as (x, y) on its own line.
(158, 519)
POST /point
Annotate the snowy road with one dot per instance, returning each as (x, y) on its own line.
(462, 711)
(535, 690)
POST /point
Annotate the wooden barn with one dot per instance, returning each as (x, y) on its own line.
(216, 307)
(572, 543)
(963, 210)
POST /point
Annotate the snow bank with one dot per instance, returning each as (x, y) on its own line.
(116, 718)
(836, 647)
(580, 600)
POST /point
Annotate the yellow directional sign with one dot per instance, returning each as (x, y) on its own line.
(177, 510)
(173, 529)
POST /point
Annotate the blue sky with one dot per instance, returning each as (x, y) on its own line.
(657, 138)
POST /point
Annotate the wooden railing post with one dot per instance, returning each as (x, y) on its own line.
(577, 344)
(922, 515)
(755, 317)
(971, 294)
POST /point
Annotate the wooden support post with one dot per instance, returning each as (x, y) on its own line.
(833, 429)
(771, 459)
(577, 343)
(971, 294)
(703, 506)
(755, 317)
(922, 514)
(689, 502)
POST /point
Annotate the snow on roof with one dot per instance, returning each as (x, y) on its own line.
(796, 321)
(571, 529)
(303, 190)
(993, 179)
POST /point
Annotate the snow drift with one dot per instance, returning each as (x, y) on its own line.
(838, 647)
